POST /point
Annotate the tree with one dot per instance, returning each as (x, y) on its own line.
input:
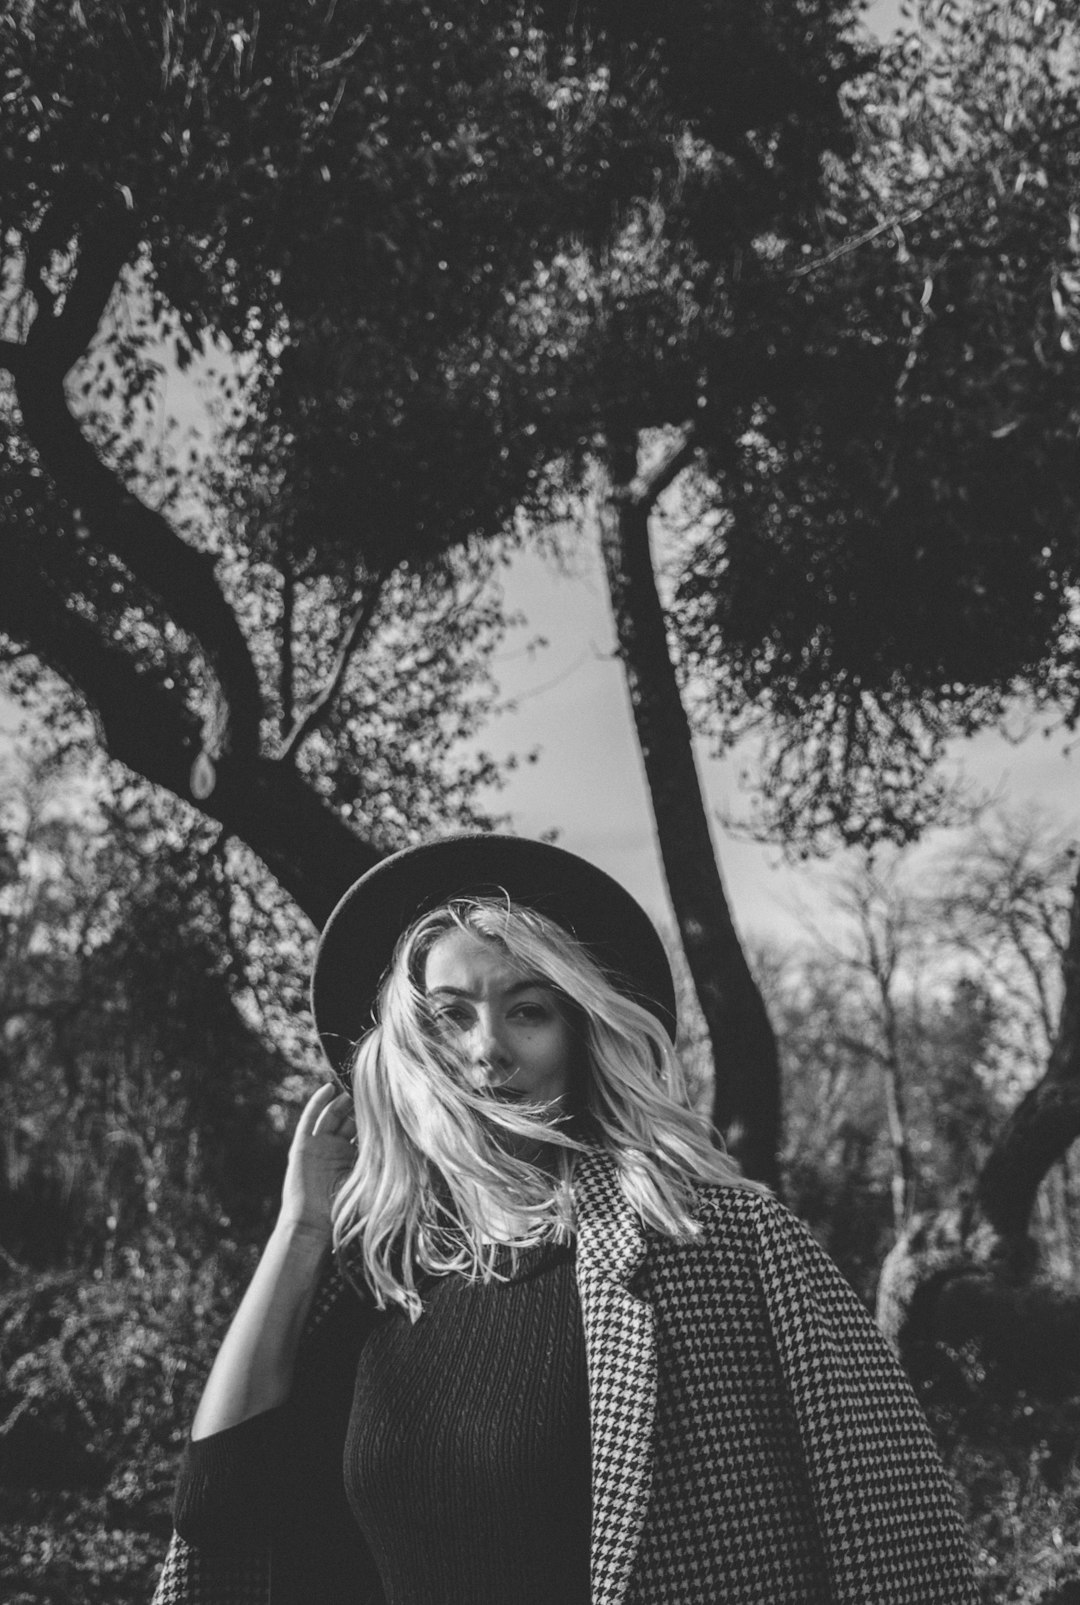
(128, 1010)
(457, 260)
(893, 555)
(973, 942)
(668, 319)
(218, 624)
(899, 555)
(882, 964)
(979, 1288)
(980, 1294)
(968, 1288)
(899, 1060)
(143, 1105)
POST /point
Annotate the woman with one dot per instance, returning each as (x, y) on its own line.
(521, 1335)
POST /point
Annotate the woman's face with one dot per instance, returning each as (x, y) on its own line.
(510, 1027)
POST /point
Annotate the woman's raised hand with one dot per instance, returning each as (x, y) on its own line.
(320, 1157)
(254, 1368)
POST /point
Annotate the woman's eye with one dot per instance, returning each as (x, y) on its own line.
(455, 1017)
(531, 1013)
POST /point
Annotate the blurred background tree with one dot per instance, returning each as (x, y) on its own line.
(922, 1008)
(123, 965)
(144, 1113)
(913, 1027)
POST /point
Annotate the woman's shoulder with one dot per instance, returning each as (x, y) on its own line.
(737, 1201)
(751, 1210)
(754, 1229)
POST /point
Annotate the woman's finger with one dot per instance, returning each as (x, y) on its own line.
(334, 1117)
(313, 1109)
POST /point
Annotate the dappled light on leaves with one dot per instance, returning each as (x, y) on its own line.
(896, 559)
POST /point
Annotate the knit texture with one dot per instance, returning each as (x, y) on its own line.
(269, 1492)
(467, 1456)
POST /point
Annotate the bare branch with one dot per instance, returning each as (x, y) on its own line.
(287, 678)
(645, 491)
(355, 629)
(458, 608)
(859, 1049)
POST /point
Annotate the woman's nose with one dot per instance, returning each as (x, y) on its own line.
(488, 1047)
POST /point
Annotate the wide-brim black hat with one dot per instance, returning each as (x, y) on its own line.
(359, 938)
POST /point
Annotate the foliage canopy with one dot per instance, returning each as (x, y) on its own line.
(893, 556)
(437, 255)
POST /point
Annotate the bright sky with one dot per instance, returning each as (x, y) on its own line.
(589, 784)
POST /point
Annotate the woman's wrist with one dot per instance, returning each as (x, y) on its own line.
(301, 1235)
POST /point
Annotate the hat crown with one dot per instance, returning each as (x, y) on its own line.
(359, 939)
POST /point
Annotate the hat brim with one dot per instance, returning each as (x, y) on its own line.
(358, 940)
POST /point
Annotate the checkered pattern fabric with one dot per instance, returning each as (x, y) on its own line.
(754, 1441)
(791, 1464)
(191, 1577)
(620, 1345)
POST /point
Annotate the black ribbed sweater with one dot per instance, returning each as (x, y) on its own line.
(464, 1440)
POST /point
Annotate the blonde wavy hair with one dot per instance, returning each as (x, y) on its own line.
(439, 1161)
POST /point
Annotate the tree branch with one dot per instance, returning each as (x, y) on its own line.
(60, 340)
(645, 490)
(141, 723)
(1047, 1121)
(298, 835)
(179, 576)
(287, 678)
(319, 710)
(423, 660)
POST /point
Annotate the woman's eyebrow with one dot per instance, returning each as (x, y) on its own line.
(524, 985)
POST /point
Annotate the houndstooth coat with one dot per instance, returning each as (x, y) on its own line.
(753, 1440)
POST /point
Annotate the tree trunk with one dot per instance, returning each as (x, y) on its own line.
(265, 802)
(210, 758)
(746, 1103)
(1046, 1122)
(902, 1183)
(305, 844)
(965, 1288)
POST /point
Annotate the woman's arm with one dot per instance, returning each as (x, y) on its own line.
(253, 1371)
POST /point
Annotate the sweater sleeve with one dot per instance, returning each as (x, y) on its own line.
(228, 1487)
(271, 1487)
(885, 1506)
